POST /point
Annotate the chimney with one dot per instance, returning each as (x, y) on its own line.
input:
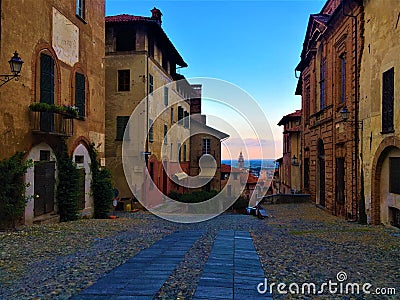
(156, 15)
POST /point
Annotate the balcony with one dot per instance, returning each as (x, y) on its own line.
(54, 123)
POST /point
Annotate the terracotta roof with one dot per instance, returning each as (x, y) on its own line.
(250, 178)
(228, 169)
(294, 115)
(127, 18)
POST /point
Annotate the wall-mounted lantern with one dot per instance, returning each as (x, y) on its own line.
(15, 66)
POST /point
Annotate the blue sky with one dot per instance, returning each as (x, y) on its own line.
(253, 44)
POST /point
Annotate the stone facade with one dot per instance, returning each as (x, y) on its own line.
(141, 67)
(59, 49)
(379, 145)
(329, 66)
(291, 177)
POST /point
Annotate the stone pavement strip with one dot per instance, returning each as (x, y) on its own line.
(143, 275)
(233, 269)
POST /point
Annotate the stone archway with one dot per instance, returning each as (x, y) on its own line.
(387, 145)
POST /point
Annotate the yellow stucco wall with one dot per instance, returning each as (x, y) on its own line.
(381, 52)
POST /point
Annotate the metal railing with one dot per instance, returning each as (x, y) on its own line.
(52, 123)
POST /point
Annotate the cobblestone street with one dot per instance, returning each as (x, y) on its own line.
(156, 259)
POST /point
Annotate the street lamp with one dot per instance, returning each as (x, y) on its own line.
(345, 114)
(15, 66)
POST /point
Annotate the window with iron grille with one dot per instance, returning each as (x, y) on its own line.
(343, 78)
(122, 122)
(151, 83)
(165, 134)
(184, 152)
(206, 146)
(172, 115)
(165, 96)
(80, 8)
(387, 101)
(124, 80)
(80, 94)
(322, 84)
(394, 175)
(394, 216)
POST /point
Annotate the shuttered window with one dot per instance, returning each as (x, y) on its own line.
(46, 79)
(122, 122)
(151, 131)
(165, 96)
(151, 83)
(80, 94)
(394, 175)
(322, 84)
(165, 134)
(180, 115)
(387, 101)
(124, 80)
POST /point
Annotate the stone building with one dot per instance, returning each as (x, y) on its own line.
(141, 69)
(379, 113)
(63, 52)
(290, 178)
(328, 83)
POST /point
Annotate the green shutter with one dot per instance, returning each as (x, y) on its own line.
(122, 122)
(80, 94)
(46, 79)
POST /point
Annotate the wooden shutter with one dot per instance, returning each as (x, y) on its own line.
(80, 94)
(46, 79)
(387, 100)
(122, 121)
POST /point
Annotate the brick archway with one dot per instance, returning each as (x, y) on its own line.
(389, 143)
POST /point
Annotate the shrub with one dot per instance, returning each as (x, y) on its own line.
(241, 204)
(68, 184)
(101, 186)
(12, 192)
(174, 195)
(197, 197)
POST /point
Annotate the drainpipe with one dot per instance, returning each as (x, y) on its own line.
(356, 117)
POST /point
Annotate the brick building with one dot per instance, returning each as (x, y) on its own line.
(63, 52)
(328, 83)
(290, 178)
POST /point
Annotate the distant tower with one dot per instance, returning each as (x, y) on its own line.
(241, 161)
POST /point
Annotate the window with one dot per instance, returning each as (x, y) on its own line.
(206, 146)
(184, 152)
(340, 184)
(172, 115)
(80, 94)
(124, 80)
(180, 115)
(125, 39)
(186, 120)
(122, 122)
(79, 159)
(306, 173)
(151, 173)
(165, 96)
(80, 8)
(387, 101)
(44, 155)
(151, 46)
(394, 175)
(165, 62)
(151, 131)
(179, 152)
(151, 84)
(342, 78)
(46, 79)
(165, 134)
(307, 103)
(322, 84)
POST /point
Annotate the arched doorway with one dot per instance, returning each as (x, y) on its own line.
(82, 160)
(386, 187)
(321, 174)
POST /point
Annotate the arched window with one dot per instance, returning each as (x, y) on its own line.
(80, 94)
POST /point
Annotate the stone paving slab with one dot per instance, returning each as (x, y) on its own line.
(233, 269)
(144, 274)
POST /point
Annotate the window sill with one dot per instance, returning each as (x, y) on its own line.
(387, 132)
(81, 19)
